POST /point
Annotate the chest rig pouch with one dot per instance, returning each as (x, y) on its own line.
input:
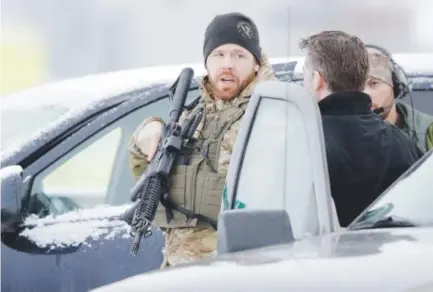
(196, 186)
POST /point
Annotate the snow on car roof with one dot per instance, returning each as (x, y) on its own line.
(412, 63)
(82, 90)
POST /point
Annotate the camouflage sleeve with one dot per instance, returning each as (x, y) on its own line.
(226, 148)
(429, 137)
(137, 160)
(185, 245)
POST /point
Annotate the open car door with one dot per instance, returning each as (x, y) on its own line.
(278, 164)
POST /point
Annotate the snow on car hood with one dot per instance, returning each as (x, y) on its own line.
(76, 227)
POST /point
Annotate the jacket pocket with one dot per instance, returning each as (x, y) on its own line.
(209, 200)
(177, 181)
(177, 192)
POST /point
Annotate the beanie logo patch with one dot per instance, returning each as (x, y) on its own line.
(245, 29)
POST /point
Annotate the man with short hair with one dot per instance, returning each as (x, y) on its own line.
(234, 64)
(387, 84)
(365, 154)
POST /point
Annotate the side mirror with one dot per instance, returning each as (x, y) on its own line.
(242, 229)
(11, 188)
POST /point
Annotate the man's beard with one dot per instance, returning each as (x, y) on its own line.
(225, 95)
(385, 114)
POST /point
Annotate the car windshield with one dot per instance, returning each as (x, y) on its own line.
(19, 123)
(410, 198)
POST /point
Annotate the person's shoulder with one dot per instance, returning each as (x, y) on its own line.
(398, 134)
(419, 115)
(403, 144)
(429, 141)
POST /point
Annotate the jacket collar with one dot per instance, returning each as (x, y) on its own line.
(346, 103)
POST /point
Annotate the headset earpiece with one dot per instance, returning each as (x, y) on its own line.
(399, 77)
(401, 83)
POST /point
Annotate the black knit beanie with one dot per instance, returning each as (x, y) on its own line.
(232, 28)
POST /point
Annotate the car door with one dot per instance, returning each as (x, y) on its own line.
(279, 161)
(62, 248)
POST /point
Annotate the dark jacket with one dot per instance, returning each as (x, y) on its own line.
(417, 125)
(365, 154)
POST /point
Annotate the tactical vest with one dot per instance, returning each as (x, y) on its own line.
(415, 121)
(197, 186)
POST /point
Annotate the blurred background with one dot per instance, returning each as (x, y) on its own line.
(49, 40)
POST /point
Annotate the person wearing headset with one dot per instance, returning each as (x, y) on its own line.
(387, 84)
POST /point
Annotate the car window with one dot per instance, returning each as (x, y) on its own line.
(84, 174)
(97, 170)
(410, 197)
(276, 153)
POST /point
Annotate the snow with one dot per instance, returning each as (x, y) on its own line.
(50, 129)
(79, 91)
(97, 212)
(11, 187)
(74, 233)
(10, 171)
(74, 228)
(412, 63)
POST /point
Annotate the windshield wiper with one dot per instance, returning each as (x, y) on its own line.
(387, 222)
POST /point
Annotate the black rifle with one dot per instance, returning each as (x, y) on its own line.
(152, 187)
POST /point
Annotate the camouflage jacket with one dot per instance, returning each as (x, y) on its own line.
(414, 121)
(189, 244)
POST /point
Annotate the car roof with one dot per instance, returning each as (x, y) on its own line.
(78, 91)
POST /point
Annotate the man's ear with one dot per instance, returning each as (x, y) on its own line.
(318, 81)
(256, 67)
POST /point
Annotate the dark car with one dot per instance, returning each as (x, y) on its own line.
(64, 188)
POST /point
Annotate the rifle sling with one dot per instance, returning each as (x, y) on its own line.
(169, 205)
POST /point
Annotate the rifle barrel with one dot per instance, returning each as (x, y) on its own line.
(180, 93)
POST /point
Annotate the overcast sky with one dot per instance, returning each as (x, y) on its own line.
(90, 36)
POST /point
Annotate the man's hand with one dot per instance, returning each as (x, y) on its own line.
(148, 139)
